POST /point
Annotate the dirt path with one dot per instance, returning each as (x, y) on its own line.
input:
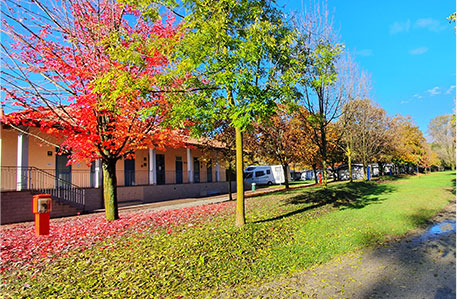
(422, 265)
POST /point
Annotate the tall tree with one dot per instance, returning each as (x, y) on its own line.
(236, 46)
(442, 131)
(319, 67)
(358, 86)
(371, 126)
(407, 141)
(89, 73)
(307, 152)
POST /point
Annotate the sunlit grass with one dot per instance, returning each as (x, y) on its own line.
(285, 232)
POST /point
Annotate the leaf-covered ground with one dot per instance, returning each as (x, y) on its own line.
(198, 251)
(22, 249)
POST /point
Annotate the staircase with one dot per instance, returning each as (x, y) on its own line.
(38, 181)
(17, 207)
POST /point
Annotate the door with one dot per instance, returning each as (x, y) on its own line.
(160, 169)
(178, 170)
(196, 170)
(63, 171)
(209, 172)
(92, 175)
(129, 172)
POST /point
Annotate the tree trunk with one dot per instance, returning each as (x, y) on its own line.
(350, 167)
(285, 168)
(364, 163)
(324, 174)
(324, 157)
(240, 213)
(110, 189)
(315, 173)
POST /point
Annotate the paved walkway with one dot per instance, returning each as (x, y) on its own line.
(422, 265)
(172, 204)
(198, 201)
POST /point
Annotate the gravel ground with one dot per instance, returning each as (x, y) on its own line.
(421, 265)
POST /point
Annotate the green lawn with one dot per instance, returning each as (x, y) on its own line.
(291, 184)
(285, 232)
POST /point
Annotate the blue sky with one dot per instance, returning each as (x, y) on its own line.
(408, 47)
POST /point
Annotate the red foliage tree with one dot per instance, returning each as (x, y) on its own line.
(91, 73)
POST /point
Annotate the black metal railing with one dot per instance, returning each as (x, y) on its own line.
(36, 180)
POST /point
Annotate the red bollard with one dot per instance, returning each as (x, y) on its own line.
(42, 206)
(320, 178)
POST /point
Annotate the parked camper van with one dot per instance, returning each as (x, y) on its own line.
(264, 175)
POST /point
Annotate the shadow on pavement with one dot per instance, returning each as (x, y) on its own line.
(421, 266)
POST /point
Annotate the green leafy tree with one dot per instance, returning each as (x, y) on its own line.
(236, 49)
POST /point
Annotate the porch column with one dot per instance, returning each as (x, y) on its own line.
(152, 167)
(22, 161)
(97, 174)
(190, 166)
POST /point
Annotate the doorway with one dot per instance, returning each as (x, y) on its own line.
(129, 172)
(196, 170)
(63, 171)
(160, 169)
(178, 168)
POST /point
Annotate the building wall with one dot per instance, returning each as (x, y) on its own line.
(39, 152)
(9, 147)
(9, 150)
(43, 156)
(18, 207)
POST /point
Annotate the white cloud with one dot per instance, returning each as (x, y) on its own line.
(364, 52)
(430, 24)
(418, 51)
(450, 89)
(398, 27)
(417, 96)
(434, 91)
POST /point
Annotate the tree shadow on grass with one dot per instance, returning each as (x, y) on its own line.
(344, 196)
(390, 178)
(452, 190)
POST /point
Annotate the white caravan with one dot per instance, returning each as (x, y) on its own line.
(264, 175)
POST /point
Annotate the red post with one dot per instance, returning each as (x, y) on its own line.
(42, 206)
(42, 224)
(320, 178)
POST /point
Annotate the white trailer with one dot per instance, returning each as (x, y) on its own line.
(265, 175)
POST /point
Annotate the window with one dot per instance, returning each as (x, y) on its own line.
(268, 171)
(259, 173)
(250, 168)
(248, 175)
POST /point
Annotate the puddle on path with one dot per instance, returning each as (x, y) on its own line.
(438, 230)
